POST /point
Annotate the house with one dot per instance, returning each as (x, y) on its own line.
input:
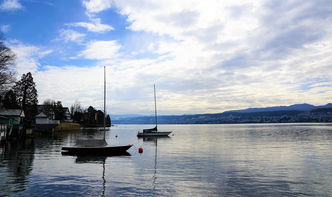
(67, 115)
(16, 116)
(49, 111)
(43, 123)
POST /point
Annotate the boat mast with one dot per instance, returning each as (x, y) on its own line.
(104, 102)
(155, 104)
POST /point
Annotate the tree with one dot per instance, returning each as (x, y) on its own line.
(48, 108)
(99, 117)
(7, 60)
(78, 117)
(9, 101)
(59, 111)
(26, 95)
(76, 111)
(91, 115)
(108, 121)
(53, 109)
(76, 107)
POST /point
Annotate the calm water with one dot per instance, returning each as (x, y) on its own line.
(199, 160)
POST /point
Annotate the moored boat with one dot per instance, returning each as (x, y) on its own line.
(96, 150)
(153, 132)
(95, 146)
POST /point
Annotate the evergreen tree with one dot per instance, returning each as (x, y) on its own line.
(108, 121)
(78, 117)
(26, 95)
(91, 115)
(10, 101)
(59, 111)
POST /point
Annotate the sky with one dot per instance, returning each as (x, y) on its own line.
(204, 56)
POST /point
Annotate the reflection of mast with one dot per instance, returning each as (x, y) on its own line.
(155, 164)
(104, 180)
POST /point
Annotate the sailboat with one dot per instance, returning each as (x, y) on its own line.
(153, 132)
(97, 147)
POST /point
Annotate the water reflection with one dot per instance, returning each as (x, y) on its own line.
(95, 160)
(250, 160)
(201, 160)
(16, 164)
(154, 141)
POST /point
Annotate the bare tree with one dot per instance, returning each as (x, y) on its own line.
(77, 112)
(48, 108)
(76, 107)
(7, 60)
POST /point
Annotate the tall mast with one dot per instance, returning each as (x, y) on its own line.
(104, 102)
(155, 104)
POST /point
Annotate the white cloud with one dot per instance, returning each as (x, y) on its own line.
(93, 26)
(69, 35)
(100, 50)
(94, 6)
(204, 56)
(10, 5)
(4, 28)
(71, 83)
(27, 57)
(230, 55)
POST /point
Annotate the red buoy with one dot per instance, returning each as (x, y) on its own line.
(140, 150)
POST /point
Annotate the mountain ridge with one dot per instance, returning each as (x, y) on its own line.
(299, 107)
(293, 113)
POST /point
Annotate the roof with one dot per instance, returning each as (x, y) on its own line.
(41, 115)
(3, 117)
(12, 112)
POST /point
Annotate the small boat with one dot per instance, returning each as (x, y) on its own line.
(153, 132)
(97, 147)
(96, 150)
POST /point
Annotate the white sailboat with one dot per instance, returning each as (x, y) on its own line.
(153, 132)
(97, 147)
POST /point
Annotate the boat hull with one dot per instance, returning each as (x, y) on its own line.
(154, 134)
(101, 150)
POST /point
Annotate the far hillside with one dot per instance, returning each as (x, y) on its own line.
(277, 114)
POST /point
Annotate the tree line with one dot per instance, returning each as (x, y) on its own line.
(14, 94)
(22, 94)
(89, 116)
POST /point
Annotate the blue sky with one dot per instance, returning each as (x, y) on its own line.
(204, 56)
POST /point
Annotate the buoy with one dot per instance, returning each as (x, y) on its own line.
(140, 150)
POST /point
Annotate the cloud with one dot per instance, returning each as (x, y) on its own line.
(94, 6)
(101, 50)
(204, 56)
(235, 54)
(94, 26)
(69, 35)
(27, 57)
(10, 5)
(72, 83)
(4, 28)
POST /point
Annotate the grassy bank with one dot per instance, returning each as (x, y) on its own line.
(67, 126)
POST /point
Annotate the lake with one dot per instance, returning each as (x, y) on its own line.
(198, 160)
